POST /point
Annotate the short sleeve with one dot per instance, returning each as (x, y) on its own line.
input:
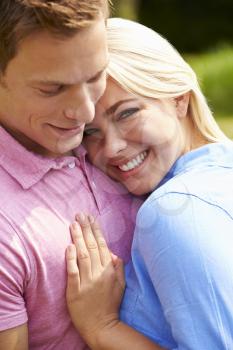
(14, 275)
(186, 245)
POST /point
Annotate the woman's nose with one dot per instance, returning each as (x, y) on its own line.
(114, 144)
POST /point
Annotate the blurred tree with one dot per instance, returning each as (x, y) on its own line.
(194, 26)
(126, 8)
(190, 25)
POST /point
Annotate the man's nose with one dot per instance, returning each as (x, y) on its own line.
(80, 107)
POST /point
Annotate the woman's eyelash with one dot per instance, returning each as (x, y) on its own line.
(89, 132)
(122, 115)
(127, 112)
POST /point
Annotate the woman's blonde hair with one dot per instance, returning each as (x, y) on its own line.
(146, 64)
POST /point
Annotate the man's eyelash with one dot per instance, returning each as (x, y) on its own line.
(96, 78)
(52, 92)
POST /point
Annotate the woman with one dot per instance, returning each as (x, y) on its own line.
(155, 133)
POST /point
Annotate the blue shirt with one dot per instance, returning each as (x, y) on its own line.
(180, 281)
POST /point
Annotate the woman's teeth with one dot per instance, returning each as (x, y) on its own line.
(133, 163)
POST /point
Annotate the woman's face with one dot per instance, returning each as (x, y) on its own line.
(136, 140)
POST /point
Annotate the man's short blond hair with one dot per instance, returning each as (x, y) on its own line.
(20, 18)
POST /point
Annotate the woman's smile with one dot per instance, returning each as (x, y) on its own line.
(134, 163)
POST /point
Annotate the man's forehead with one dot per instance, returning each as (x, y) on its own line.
(68, 62)
(61, 78)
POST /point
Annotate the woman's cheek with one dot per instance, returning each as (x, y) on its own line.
(95, 156)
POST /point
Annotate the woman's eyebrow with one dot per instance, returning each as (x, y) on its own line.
(114, 107)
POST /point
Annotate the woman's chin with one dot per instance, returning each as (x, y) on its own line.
(138, 188)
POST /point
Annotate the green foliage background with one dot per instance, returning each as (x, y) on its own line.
(191, 25)
(215, 72)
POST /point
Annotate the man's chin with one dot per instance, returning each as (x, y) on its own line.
(66, 150)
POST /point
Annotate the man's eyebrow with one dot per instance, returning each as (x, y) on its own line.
(114, 107)
(99, 72)
(46, 82)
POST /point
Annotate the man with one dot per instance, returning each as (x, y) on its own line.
(53, 57)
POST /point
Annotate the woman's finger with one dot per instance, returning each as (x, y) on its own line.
(91, 244)
(119, 268)
(83, 258)
(73, 281)
(105, 255)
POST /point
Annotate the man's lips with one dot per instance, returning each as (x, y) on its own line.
(68, 131)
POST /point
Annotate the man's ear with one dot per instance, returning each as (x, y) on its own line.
(182, 103)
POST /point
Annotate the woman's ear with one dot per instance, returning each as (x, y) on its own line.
(182, 103)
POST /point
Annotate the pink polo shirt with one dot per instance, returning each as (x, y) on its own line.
(38, 199)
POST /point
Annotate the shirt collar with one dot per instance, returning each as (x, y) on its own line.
(212, 154)
(26, 167)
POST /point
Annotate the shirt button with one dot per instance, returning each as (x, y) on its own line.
(71, 165)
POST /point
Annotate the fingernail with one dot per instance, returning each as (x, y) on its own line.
(81, 217)
(91, 219)
(70, 248)
(74, 225)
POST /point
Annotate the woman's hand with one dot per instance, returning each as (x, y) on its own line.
(95, 280)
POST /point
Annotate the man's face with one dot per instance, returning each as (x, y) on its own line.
(50, 89)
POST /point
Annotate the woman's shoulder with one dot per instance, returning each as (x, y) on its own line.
(210, 183)
(189, 193)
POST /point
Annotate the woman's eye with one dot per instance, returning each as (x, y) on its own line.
(128, 112)
(91, 132)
